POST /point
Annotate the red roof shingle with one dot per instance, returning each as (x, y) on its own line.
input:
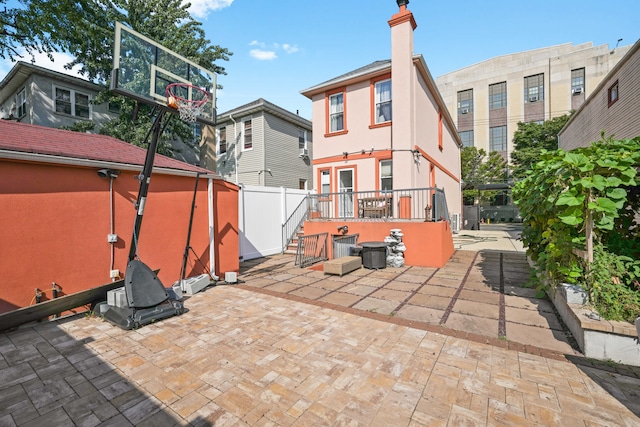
(25, 138)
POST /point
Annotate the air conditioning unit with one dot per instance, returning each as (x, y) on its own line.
(464, 111)
(577, 90)
(455, 222)
(533, 99)
(304, 153)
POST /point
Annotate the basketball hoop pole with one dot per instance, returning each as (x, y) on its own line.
(144, 181)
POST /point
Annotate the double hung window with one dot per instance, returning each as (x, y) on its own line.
(336, 112)
(383, 101)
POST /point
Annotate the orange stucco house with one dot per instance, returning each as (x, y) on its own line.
(383, 128)
(67, 213)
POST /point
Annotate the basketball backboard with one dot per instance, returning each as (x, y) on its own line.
(143, 68)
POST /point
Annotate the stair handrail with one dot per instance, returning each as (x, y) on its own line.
(293, 223)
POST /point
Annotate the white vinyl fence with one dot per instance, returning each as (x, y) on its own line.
(261, 213)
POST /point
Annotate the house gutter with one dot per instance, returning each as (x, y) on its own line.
(71, 161)
(212, 230)
(235, 148)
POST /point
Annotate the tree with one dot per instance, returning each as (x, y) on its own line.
(14, 34)
(478, 169)
(85, 29)
(530, 139)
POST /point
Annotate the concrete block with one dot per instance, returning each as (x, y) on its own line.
(573, 294)
(117, 298)
(194, 285)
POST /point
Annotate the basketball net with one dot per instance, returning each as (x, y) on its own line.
(189, 109)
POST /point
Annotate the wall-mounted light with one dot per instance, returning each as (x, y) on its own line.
(108, 173)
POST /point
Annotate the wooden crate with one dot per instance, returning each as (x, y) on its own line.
(342, 265)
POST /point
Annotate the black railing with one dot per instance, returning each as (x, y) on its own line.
(293, 223)
(424, 204)
(312, 248)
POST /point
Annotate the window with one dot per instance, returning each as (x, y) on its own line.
(72, 103)
(386, 176)
(222, 140)
(247, 135)
(383, 101)
(577, 81)
(467, 138)
(197, 131)
(21, 102)
(465, 101)
(336, 112)
(325, 182)
(612, 93)
(498, 95)
(534, 88)
(498, 138)
(302, 138)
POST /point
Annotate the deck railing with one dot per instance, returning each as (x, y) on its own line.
(424, 204)
(293, 223)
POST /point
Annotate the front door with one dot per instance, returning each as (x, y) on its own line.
(345, 190)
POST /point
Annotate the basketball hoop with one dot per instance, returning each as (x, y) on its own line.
(178, 98)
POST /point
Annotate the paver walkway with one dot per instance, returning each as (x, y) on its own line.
(272, 352)
(480, 294)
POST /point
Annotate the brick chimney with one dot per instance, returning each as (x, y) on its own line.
(403, 81)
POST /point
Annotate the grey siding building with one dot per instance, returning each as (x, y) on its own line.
(38, 96)
(262, 144)
(612, 108)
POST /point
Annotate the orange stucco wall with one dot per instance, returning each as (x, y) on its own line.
(56, 219)
(429, 244)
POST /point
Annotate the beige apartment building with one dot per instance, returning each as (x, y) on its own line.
(488, 99)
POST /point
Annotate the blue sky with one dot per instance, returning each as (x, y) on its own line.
(282, 47)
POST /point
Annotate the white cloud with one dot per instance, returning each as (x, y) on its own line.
(268, 53)
(289, 49)
(201, 8)
(263, 55)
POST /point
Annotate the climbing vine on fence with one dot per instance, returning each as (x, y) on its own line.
(569, 191)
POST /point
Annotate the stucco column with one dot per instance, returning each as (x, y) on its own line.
(403, 81)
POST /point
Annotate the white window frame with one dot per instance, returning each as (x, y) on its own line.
(339, 111)
(218, 132)
(72, 101)
(302, 138)
(325, 179)
(384, 177)
(21, 102)
(243, 136)
(380, 102)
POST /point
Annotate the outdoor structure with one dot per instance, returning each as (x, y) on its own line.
(38, 96)
(69, 205)
(381, 129)
(488, 99)
(265, 145)
(612, 108)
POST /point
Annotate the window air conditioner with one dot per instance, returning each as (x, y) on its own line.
(533, 99)
(304, 153)
(464, 111)
(577, 90)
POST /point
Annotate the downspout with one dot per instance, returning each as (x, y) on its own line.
(235, 147)
(212, 229)
(111, 214)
